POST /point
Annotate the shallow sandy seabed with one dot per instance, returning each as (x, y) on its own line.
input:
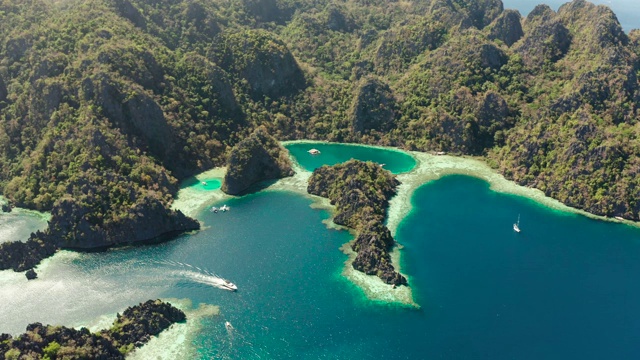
(191, 200)
(432, 167)
(44, 216)
(176, 342)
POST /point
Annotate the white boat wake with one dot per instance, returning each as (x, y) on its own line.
(201, 276)
(212, 280)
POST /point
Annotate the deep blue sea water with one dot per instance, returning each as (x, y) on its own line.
(566, 287)
(627, 11)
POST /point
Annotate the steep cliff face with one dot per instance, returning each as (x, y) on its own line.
(361, 192)
(373, 108)
(546, 37)
(257, 158)
(133, 110)
(73, 224)
(507, 27)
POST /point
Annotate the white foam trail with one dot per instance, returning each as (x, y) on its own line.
(201, 276)
(205, 279)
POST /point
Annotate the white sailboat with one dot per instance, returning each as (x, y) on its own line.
(516, 226)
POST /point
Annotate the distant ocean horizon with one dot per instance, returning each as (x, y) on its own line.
(627, 11)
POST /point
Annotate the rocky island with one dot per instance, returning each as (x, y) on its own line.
(132, 329)
(361, 192)
(99, 124)
(257, 158)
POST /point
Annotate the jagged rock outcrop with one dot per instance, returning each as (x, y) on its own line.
(130, 330)
(546, 38)
(483, 12)
(507, 27)
(31, 274)
(6, 207)
(133, 110)
(372, 245)
(74, 226)
(263, 61)
(257, 158)
(21, 256)
(361, 192)
(373, 108)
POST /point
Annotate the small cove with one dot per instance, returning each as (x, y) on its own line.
(563, 288)
(332, 153)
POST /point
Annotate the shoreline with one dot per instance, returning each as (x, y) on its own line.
(176, 341)
(433, 167)
(428, 168)
(191, 201)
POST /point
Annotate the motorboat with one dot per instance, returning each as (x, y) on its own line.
(516, 226)
(314, 151)
(228, 325)
(224, 208)
(228, 285)
(214, 209)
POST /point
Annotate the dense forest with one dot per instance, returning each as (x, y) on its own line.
(106, 104)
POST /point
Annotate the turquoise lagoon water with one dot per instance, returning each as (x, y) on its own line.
(566, 287)
(204, 184)
(333, 153)
(627, 11)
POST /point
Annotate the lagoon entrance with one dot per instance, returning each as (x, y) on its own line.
(564, 288)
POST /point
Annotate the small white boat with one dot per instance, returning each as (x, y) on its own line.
(228, 285)
(224, 208)
(314, 151)
(214, 209)
(516, 226)
(228, 325)
(204, 183)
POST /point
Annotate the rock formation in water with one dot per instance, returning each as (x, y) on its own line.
(257, 158)
(31, 274)
(148, 220)
(361, 192)
(21, 256)
(130, 330)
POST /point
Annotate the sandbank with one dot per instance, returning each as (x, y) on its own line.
(191, 200)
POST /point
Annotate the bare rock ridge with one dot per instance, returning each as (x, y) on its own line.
(361, 192)
(132, 329)
(257, 158)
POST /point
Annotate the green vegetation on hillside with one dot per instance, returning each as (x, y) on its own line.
(106, 104)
